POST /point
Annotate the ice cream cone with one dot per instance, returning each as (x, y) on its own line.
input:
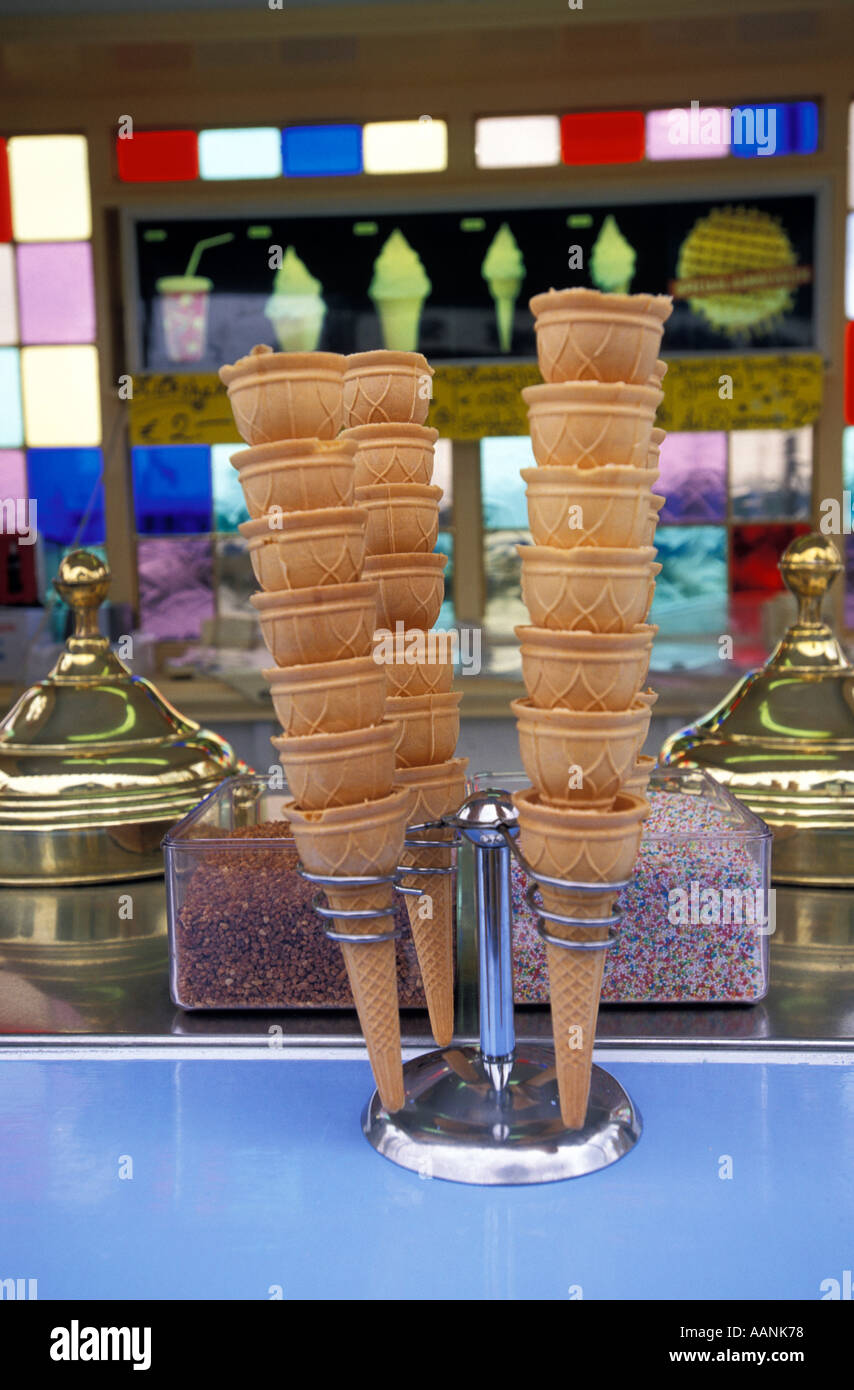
(504, 271)
(400, 320)
(301, 550)
(392, 453)
(328, 697)
(594, 590)
(285, 395)
(584, 335)
(637, 780)
(296, 308)
(297, 475)
(411, 589)
(398, 290)
(586, 847)
(658, 373)
(403, 518)
(343, 769)
(431, 727)
(581, 507)
(505, 291)
(580, 757)
(584, 670)
(364, 840)
(652, 518)
(656, 439)
(415, 662)
(585, 424)
(328, 623)
(386, 387)
(440, 790)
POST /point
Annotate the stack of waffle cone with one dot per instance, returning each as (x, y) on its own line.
(588, 581)
(394, 467)
(337, 747)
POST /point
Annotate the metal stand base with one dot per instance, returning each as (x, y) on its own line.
(456, 1126)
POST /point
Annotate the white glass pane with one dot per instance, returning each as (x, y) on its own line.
(11, 420)
(405, 147)
(8, 296)
(61, 399)
(443, 477)
(516, 142)
(49, 175)
(849, 267)
(770, 474)
(240, 154)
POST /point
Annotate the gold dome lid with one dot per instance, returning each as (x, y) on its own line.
(95, 764)
(783, 739)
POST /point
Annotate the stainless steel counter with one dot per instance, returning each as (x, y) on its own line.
(74, 961)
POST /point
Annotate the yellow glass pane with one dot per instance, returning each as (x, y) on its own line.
(61, 400)
(49, 175)
(405, 147)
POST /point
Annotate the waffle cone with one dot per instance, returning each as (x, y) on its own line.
(364, 840)
(328, 697)
(576, 507)
(430, 727)
(431, 918)
(297, 475)
(392, 453)
(340, 769)
(584, 335)
(402, 517)
(386, 387)
(584, 670)
(595, 589)
(328, 623)
(586, 424)
(589, 847)
(580, 757)
(410, 588)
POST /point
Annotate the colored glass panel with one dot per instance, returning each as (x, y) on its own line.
(680, 132)
(502, 489)
(756, 551)
(13, 473)
(172, 490)
(405, 147)
(67, 486)
(779, 128)
(11, 417)
(848, 458)
(602, 137)
(49, 176)
(770, 473)
(240, 154)
(849, 374)
(8, 296)
(56, 292)
(504, 608)
(229, 506)
(445, 546)
(158, 156)
(175, 587)
(5, 195)
(314, 150)
(849, 266)
(61, 398)
(516, 142)
(691, 590)
(692, 476)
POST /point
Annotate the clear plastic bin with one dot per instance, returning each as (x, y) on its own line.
(697, 915)
(242, 930)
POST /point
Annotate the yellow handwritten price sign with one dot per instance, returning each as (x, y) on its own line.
(181, 410)
(700, 393)
(742, 393)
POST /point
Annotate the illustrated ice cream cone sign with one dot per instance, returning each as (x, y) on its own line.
(504, 270)
(398, 289)
(185, 299)
(296, 308)
(612, 260)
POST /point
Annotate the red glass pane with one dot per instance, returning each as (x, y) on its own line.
(158, 156)
(5, 198)
(755, 553)
(602, 137)
(849, 374)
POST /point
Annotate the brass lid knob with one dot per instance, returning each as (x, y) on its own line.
(809, 565)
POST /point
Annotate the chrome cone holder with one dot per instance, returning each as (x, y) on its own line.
(490, 1114)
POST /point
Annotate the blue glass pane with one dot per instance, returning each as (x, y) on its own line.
(848, 458)
(172, 490)
(781, 128)
(322, 149)
(501, 486)
(691, 590)
(65, 485)
(445, 546)
(229, 506)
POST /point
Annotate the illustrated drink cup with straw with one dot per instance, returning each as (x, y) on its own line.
(185, 300)
(398, 289)
(504, 270)
(296, 308)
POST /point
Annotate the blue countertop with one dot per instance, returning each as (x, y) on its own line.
(251, 1176)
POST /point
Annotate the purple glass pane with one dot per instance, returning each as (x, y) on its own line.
(692, 476)
(13, 473)
(56, 293)
(175, 587)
